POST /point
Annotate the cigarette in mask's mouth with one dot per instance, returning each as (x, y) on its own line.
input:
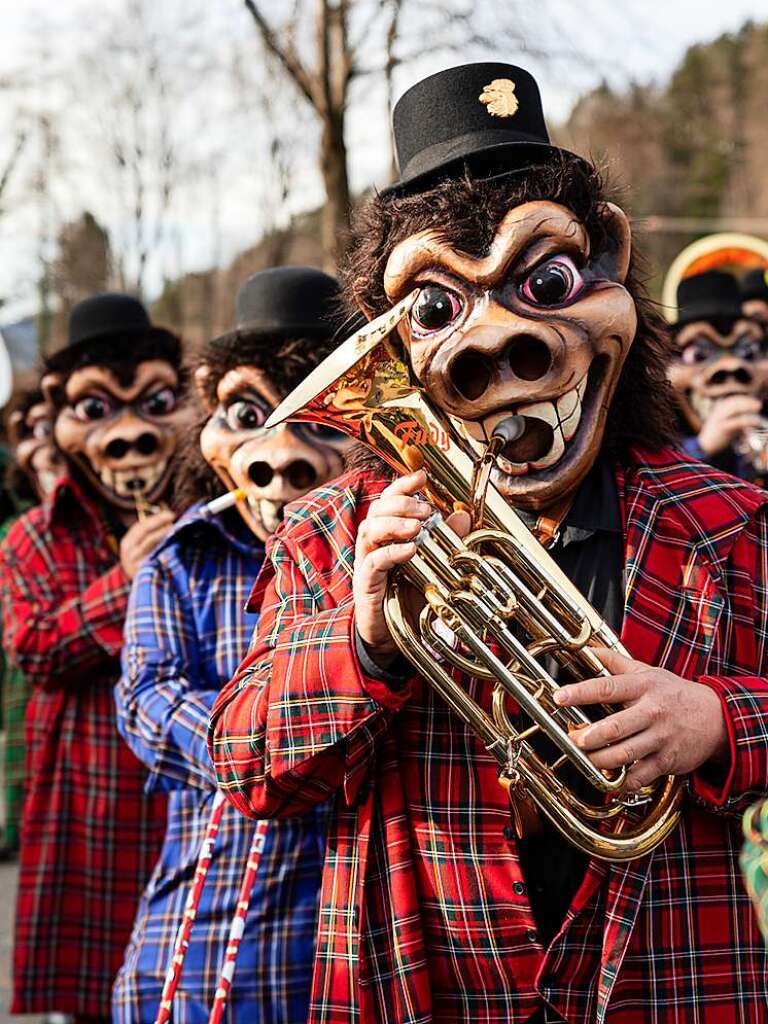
(222, 503)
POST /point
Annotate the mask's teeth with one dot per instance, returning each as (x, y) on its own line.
(570, 422)
(545, 411)
(270, 514)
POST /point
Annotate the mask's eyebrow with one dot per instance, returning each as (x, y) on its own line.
(519, 228)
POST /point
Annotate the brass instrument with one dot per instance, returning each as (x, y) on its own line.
(475, 590)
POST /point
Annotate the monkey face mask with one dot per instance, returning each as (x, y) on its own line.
(31, 435)
(271, 466)
(122, 436)
(711, 363)
(538, 329)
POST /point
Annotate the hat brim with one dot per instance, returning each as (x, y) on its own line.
(710, 314)
(253, 331)
(485, 160)
(64, 356)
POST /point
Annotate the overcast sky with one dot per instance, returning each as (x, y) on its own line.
(653, 33)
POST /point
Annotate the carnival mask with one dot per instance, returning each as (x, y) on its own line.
(31, 436)
(271, 466)
(539, 328)
(122, 437)
(710, 366)
(757, 310)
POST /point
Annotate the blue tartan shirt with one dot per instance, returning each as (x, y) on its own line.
(185, 634)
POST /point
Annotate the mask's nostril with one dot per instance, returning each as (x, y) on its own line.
(260, 473)
(117, 449)
(742, 375)
(301, 475)
(146, 444)
(529, 358)
(471, 374)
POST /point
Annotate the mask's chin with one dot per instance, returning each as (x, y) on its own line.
(558, 444)
(122, 487)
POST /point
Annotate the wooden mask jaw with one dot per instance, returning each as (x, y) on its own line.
(501, 350)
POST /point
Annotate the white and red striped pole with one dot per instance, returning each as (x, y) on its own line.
(237, 927)
(175, 967)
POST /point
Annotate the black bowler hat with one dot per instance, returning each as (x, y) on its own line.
(713, 295)
(111, 315)
(754, 285)
(486, 116)
(291, 302)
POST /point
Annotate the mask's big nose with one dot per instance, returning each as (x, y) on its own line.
(526, 356)
(299, 474)
(144, 444)
(739, 375)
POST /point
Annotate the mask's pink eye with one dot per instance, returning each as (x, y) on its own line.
(435, 308)
(552, 283)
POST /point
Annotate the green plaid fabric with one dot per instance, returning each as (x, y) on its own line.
(15, 694)
(754, 860)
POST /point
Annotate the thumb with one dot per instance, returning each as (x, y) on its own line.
(460, 523)
(616, 662)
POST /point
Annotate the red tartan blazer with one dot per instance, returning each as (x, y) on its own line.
(672, 937)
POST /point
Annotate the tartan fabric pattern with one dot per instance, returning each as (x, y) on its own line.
(754, 860)
(186, 630)
(15, 695)
(423, 912)
(89, 835)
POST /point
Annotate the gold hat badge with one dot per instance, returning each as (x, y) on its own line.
(499, 97)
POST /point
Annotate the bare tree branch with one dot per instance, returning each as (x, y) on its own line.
(286, 55)
(10, 164)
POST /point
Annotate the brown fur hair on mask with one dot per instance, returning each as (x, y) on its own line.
(466, 213)
(286, 361)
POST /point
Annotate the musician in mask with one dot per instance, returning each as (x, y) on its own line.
(719, 371)
(187, 630)
(90, 833)
(34, 469)
(528, 312)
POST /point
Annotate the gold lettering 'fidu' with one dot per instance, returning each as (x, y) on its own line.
(410, 433)
(499, 97)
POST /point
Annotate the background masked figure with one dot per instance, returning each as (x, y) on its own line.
(32, 475)
(527, 307)
(90, 835)
(720, 374)
(754, 296)
(187, 630)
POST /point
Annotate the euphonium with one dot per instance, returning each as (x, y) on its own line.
(478, 596)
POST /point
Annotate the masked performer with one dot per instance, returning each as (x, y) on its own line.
(90, 836)
(187, 630)
(32, 475)
(720, 374)
(528, 312)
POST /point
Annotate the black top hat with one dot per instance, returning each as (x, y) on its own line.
(754, 284)
(111, 315)
(486, 116)
(290, 302)
(713, 295)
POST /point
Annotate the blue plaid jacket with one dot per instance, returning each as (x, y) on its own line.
(185, 634)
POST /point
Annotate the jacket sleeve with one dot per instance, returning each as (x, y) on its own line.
(161, 716)
(54, 637)
(743, 698)
(300, 721)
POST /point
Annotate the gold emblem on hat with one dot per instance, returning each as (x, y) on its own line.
(499, 97)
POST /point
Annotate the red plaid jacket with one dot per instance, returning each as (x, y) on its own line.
(89, 835)
(667, 938)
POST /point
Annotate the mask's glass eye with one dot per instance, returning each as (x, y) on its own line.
(435, 308)
(697, 351)
(747, 348)
(320, 432)
(245, 415)
(160, 403)
(554, 283)
(92, 407)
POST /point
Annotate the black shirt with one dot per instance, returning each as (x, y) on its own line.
(590, 551)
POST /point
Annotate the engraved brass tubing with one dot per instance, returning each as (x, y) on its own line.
(494, 605)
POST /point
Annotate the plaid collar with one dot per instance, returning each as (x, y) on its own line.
(227, 525)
